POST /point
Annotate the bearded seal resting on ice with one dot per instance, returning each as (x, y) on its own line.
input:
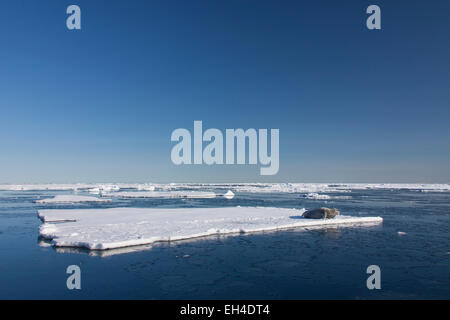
(322, 213)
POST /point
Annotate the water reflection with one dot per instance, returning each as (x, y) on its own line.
(333, 232)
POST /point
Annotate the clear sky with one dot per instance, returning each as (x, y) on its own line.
(99, 104)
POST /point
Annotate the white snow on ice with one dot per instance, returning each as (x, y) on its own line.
(236, 187)
(163, 194)
(104, 188)
(71, 199)
(145, 187)
(229, 195)
(100, 229)
(331, 187)
(317, 196)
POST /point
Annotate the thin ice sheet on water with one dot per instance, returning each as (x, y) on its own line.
(163, 194)
(71, 199)
(110, 228)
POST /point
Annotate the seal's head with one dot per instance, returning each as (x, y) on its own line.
(330, 213)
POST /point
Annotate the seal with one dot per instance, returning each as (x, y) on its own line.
(321, 213)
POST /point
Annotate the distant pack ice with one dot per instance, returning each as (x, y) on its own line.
(240, 187)
(101, 229)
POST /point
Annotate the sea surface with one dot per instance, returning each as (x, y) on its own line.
(411, 247)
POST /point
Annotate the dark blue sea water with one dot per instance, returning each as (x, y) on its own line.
(327, 263)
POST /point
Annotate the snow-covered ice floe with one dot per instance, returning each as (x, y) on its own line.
(169, 194)
(239, 187)
(101, 229)
(71, 199)
(104, 188)
(229, 194)
(316, 196)
(145, 187)
(331, 187)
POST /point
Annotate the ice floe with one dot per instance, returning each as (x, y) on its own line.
(170, 194)
(41, 187)
(100, 229)
(317, 196)
(239, 187)
(327, 187)
(229, 195)
(104, 188)
(163, 194)
(305, 187)
(71, 199)
(145, 187)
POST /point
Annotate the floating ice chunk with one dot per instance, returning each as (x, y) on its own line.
(108, 188)
(37, 187)
(71, 199)
(145, 187)
(110, 228)
(317, 196)
(94, 190)
(163, 194)
(103, 188)
(229, 195)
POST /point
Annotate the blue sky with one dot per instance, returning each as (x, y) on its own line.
(99, 104)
